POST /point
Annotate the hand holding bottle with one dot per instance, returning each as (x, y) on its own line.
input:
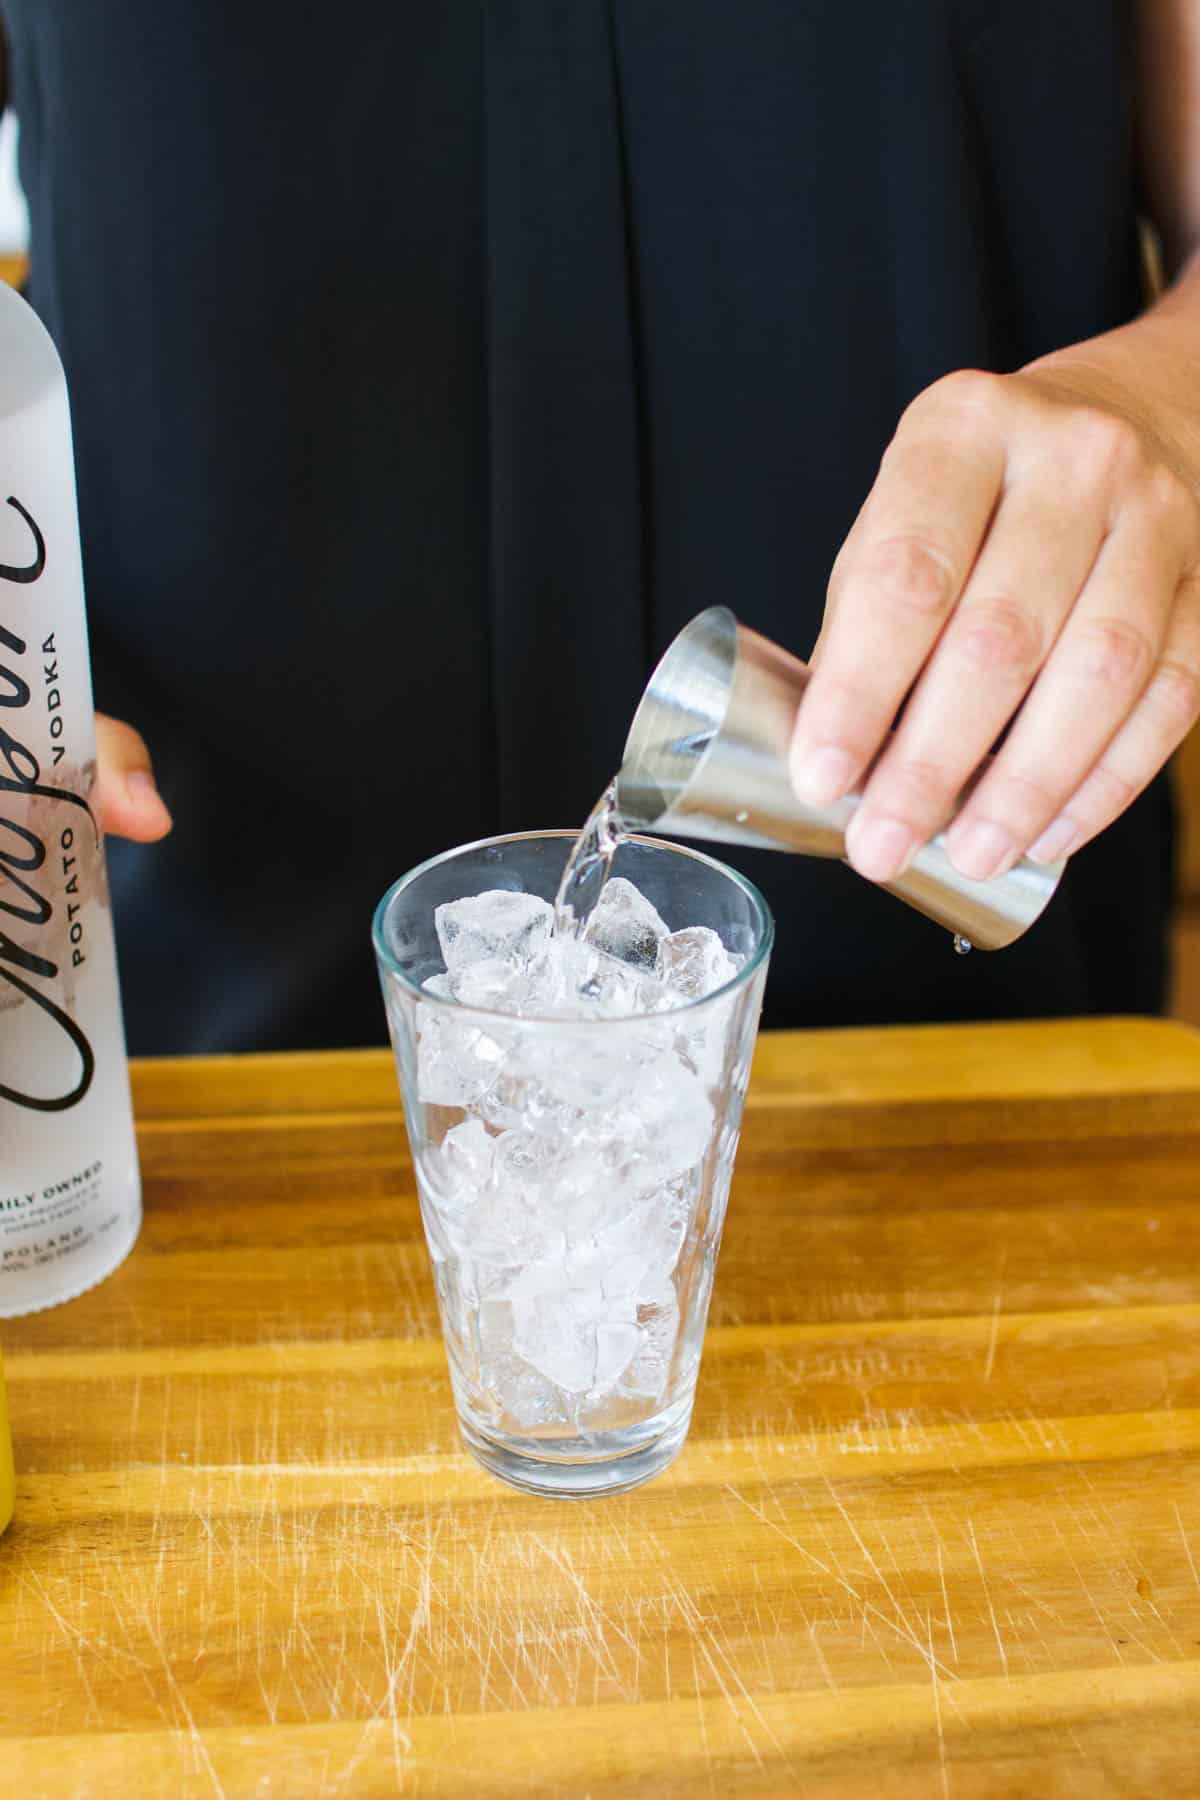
(126, 801)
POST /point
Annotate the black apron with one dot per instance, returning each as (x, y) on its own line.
(431, 366)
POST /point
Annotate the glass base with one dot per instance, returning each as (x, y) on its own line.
(584, 1469)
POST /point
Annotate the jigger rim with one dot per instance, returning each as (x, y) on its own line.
(640, 797)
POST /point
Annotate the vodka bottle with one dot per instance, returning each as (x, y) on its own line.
(70, 1195)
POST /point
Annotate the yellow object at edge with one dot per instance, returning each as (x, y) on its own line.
(7, 1479)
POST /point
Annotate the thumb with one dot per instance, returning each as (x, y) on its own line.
(125, 799)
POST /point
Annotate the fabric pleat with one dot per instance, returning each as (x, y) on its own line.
(565, 524)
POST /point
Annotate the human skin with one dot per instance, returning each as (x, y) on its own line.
(125, 798)
(1029, 559)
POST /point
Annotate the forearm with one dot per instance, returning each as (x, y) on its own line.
(1149, 370)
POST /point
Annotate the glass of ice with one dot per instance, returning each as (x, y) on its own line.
(573, 1109)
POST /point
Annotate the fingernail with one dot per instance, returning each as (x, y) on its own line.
(1058, 839)
(823, 775)
(978, 850)
(879, 848)
(144, 796)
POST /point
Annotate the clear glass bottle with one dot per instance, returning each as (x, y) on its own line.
(70, 1193)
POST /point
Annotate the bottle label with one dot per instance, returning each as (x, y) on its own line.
(44, 822)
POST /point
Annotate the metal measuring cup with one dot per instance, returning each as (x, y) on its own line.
(707, 757)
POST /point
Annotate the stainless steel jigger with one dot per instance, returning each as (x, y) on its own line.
(707, 757)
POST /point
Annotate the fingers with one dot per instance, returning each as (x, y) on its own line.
(1090, 686)
(896, 581)
(126, 801)
(1166, 712)
(1028, 575)
(1024, 563)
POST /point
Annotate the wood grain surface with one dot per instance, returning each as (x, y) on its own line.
(936, 1531)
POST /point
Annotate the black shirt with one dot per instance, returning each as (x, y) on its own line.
(432, 365)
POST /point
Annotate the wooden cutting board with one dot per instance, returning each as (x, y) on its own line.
(936, 1531)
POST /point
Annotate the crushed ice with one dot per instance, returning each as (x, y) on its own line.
(567, 1192)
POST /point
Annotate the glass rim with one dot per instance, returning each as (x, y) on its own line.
(387, 962)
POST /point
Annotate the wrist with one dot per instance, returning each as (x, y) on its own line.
(1147, 372)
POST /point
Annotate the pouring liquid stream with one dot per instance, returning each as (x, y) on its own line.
(588, 866)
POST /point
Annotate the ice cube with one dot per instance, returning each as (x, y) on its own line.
(559, 1342)
(456, 1062)
(694, 963)
(494, 1200)
(701, 1042)
(669, 1214)
(644, 1243)
(556, 972)
(516, 1390)
(626, 1270)
(654, 995)
(659, 1128)
(567, 1325)
(545, 979)
(586, 1070)
(500, 925)
(503, 1106)
(463, 1165)
(511, 1230)
(439, 986)
(525, 1159)
(616, 1343)
(498, 986)
(443, 1211)
(609, 1218)
(618, 990)
(573, 980)
(626, 925)
(611, 990)
(520, 1102)
(676, 1117)
(493, 1329)
(648, 1371)
(588, 1195)
(548, 1114)
(598, 1066)
(524, 1395)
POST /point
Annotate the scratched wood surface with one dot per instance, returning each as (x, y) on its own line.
(936, 1531)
